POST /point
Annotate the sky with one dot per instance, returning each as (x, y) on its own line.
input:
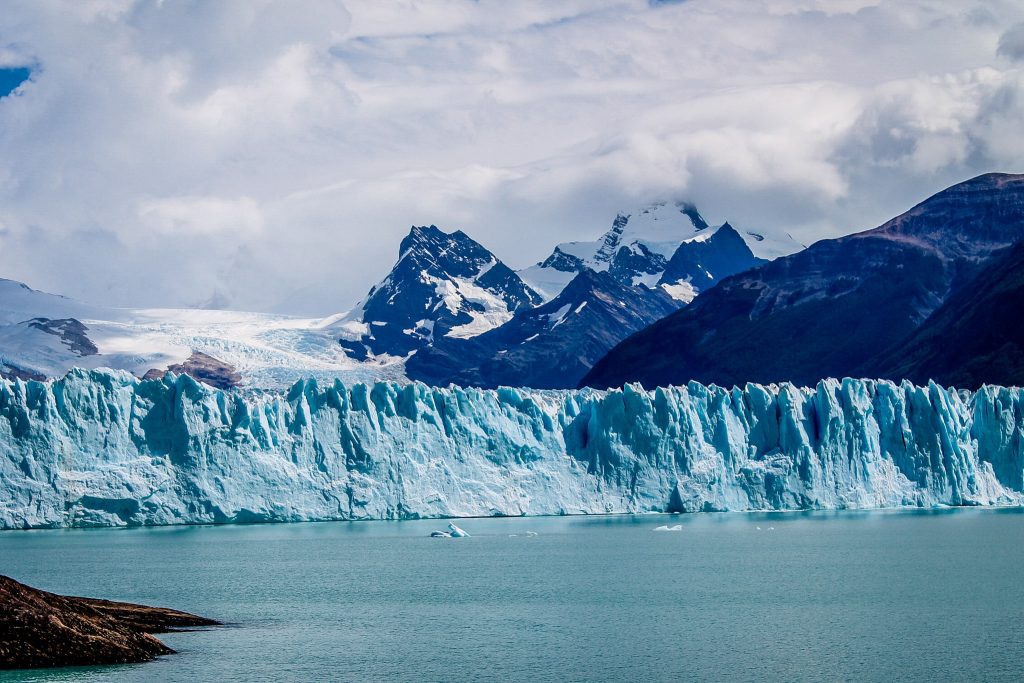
(271, 155)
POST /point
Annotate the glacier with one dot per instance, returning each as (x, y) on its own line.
(103, 448)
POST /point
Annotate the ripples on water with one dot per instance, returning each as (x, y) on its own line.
(874, 596)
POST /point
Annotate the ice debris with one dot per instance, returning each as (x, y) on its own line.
(453, 532)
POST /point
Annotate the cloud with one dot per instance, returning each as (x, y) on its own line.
(1011, 43)
(245, 153)
(170, 217)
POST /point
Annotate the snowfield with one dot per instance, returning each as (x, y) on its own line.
(270, 351)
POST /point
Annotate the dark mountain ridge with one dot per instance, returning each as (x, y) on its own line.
(831, 309)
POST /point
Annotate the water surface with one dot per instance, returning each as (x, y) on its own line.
(799, 597)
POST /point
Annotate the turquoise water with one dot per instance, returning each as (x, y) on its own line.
(877, 596)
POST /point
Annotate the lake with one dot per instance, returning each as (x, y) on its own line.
(861, 596)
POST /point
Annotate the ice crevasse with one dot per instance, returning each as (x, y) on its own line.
(102, 448)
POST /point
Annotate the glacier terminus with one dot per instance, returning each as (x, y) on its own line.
(104, 448)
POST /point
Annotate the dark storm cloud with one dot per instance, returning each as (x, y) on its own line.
(1011, 43)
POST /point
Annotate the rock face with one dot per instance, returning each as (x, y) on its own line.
(104, 448)
(40, 629)
(70, 331)
(9, 371)
(204, 368)
(698, 264)
(830, 310)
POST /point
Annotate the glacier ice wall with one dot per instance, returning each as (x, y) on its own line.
(102, 448)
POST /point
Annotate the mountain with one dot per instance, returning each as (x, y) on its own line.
(443, 285)
(551, 346)
(828, 310)
(103, 448)
(598, 293)
(457, 314)
(471, 318)
(974, 338)
(639, 249)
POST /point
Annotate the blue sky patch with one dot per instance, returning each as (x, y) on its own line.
(11, 78)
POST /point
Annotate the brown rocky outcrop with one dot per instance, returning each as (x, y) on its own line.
(41, 629)
(204, 368)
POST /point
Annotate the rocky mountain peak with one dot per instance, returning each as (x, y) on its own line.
(442, 284)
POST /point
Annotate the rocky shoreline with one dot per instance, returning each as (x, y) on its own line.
(40, 629)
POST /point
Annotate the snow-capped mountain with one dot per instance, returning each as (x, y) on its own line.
(770, 246)
(444, 285)
(664, 245)
(459, 315)
(701, 261)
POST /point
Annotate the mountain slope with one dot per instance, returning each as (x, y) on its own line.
(974, 338)
(828, 310)
(551, 346)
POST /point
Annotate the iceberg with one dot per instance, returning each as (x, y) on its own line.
(453, 532)
(103, 448)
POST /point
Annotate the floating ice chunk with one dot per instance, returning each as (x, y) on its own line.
(665, 527)
(453, 532)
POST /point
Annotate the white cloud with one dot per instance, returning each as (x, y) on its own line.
(254, 153)
(170, 217)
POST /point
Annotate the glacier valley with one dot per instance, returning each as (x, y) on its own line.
(104, 448)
